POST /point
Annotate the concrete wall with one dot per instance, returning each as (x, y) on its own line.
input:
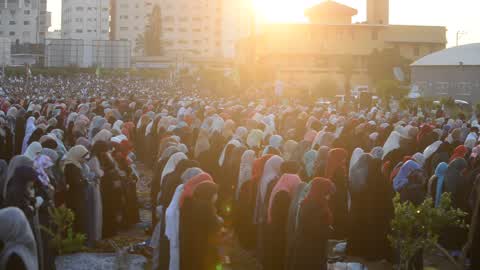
(103, 53)
(448, 81)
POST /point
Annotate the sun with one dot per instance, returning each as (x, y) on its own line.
(279, 10)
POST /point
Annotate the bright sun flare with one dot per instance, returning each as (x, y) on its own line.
(279, 10)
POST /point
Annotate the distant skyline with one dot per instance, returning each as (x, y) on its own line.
(458, 15)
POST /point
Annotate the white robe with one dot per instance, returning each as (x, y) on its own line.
(172, 222)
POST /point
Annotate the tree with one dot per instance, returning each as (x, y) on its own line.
(153, 33)
(346, 65)
(417, 227)
(389, 88)
(381, 64)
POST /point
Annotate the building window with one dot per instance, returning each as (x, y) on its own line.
(26, 12)
(12, 23)
(26, 23)
(123, 17)
(79, 31)
(79, 8)
(12, 33)
(183, 30)
(374, 35)
(78, 19)
(416, 51)
(123, 28)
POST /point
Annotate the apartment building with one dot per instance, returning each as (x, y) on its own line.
(87, 20)
(24, 21)
(190, 28)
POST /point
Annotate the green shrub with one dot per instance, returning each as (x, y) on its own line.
(418, 227)
(64, 240)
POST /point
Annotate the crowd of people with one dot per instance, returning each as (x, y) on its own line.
(284, 177)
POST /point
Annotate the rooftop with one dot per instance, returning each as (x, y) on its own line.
(466, 55)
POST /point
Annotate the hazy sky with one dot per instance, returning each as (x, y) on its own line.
(456, 15)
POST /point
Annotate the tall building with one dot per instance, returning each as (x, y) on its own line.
(129, 19)
(309, 53)
(24, 21)
(197, 28)
(87, 20)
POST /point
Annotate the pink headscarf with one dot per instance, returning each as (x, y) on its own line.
(287, 183)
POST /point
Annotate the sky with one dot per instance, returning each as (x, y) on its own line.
(456, 15)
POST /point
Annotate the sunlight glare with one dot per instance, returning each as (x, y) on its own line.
(278, 10)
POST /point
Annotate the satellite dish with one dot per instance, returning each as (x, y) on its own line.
(414, 92)
(399, 74)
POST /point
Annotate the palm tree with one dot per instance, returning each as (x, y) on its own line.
(153, 33)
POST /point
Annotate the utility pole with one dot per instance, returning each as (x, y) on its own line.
(460, 34)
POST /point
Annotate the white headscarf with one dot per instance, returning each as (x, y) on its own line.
(431, 149)
(172, 223)
(270, 172)
(392, 143)
(33, 150)
(357, 153)
(17, 237)
(172, 164)
(222, 156)
(246, 168)
(29, 129)
(276, 141)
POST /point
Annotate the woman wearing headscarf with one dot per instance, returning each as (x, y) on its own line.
(168, 187)
(371, 211)
(113, 197)
(21, 194)
(435, 183)
(245, 170)
(245, 213)
(74, 170)
(402, 178)
(472, 246)
(20, 127)
(414, 191)
(129, 180)
(19, 249)
(277, 217)
(292, 224)
(45, 190)
(199, 250)
(226, 178)
(336, 170)
(456, 183)
(442, 154)
(313, 229)
(321, 161)
(288, 149)
(29, 129)
(6, 140)
(33, 151)
(309, 159)
(460, 152)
